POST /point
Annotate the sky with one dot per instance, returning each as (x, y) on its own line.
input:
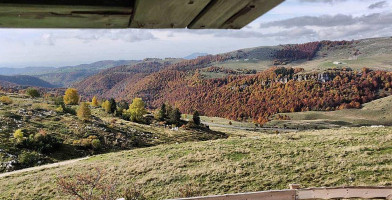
(293, 21)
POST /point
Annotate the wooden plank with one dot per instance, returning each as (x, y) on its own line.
(110, 3)
(167, 13)
(232, 14)
(63, 16)
(344, 193)
(265, 195)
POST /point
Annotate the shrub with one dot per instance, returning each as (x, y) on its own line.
(71, 96)
(189, 190)
(133, 193)
(6, 100)
(88, 186)
(96, 143)
(41, 142)
(91, 142)
(28, 159)
(33, 93)
(44, 142)
(84, 112)
(18, 135)
(59, 101)
(59, 109)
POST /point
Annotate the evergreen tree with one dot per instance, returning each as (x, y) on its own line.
(196, 118)
(175, 117)
(161, 113)
(113, 105)
(84, 112)
(169, 110)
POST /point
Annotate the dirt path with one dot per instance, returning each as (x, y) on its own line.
(67, 162)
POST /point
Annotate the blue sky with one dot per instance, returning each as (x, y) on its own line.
(294, 21)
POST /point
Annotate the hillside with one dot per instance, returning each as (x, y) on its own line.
(23, 80)
(51, 133)
(255, 93)
(339, 157)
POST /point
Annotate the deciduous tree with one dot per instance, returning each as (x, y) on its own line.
(71, 96)
(84, 112)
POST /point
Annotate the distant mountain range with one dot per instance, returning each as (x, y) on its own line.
(65, 76)
(195, 55)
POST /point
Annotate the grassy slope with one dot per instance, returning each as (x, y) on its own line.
(69, 128)
(373, 113)
(355, 156)
(375, 54)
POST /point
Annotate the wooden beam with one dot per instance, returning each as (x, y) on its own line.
(63, 16)
(344, 193)
(265, 195)
(231, 14)
(167, 13)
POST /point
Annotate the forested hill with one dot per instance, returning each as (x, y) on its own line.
(244, 84)
(23, 80)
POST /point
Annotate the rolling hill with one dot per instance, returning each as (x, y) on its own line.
(23, 80)
(241, 85)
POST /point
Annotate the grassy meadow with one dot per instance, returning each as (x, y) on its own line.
(335, 157)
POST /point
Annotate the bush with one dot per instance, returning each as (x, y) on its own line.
(44, 142)
(91, 142)
(28, 159)
(133, 193)
(41, 142)
(89, 186)
(59, 109)
(6, 100)
(59, 101)
(33, 93)
(71, 96)
(18, 135)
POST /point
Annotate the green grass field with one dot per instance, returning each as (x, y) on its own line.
(335, 157)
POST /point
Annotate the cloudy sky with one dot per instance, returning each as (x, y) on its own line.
(294, 21)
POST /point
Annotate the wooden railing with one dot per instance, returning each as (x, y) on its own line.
(296, 193)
